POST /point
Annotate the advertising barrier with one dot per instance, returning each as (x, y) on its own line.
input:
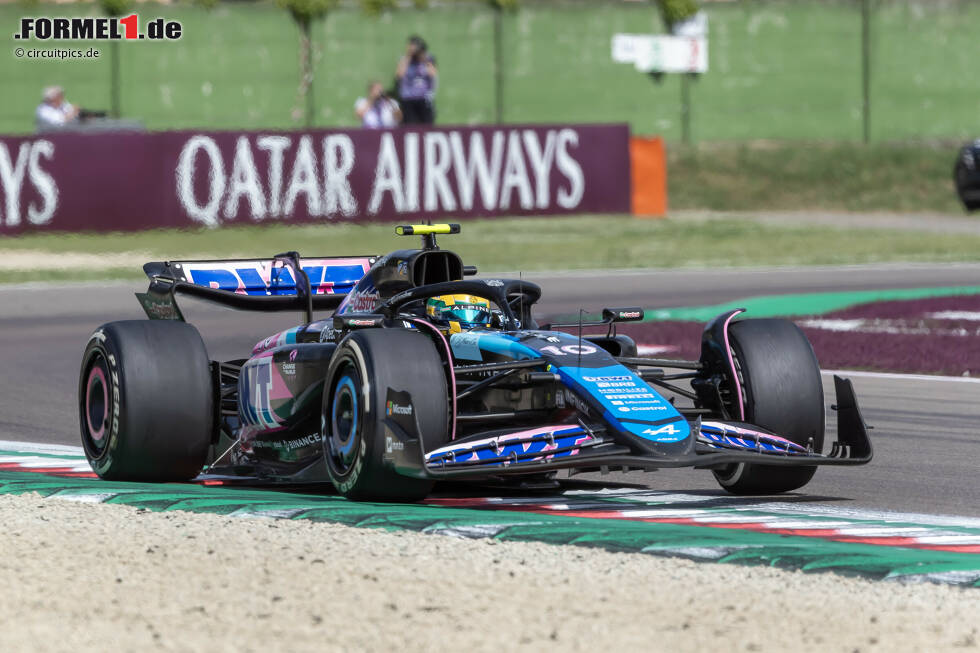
(133, 181)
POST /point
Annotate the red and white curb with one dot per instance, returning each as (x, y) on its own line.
(915, 531)
(53, 459)
(940, 533)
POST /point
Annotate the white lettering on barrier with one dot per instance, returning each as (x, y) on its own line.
(541, 164)
(568, 166)
(244, 181)
(279, 197)
(12, 179)
(43, 182)
(411, 185)
(476, 168)
(515, 175)
(338, 161)
(13, 172)
(275, 146)
(206, 213)
(387, 177)
(438, 194)
(303, 180)
(436, 171)
(429, 171)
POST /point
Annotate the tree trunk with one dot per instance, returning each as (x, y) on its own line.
(305, 104)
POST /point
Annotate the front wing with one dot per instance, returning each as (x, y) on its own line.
(713, 444)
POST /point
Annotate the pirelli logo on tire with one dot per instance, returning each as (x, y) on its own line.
(347, 484)
(114, 382)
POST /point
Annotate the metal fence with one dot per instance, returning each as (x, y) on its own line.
(876, 70)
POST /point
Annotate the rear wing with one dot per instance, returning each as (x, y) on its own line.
(283, 283)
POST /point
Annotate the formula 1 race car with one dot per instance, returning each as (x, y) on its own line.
(423, 373)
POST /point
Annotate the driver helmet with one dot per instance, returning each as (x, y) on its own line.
(459, 312)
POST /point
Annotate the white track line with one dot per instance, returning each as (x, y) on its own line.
(38, 447)
(861, 373)
(902, 377)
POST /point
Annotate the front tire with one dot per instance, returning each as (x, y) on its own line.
(145, 400)
(782, 392)
(368, 368)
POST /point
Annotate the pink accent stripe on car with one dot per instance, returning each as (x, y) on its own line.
(731, 363)
(452, 373)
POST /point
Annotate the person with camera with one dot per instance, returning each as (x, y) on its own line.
(417, 78)
(55, 111)
(377, 110)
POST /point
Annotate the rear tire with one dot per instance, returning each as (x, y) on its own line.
(145, 399)
(783, 393)
(366, 366)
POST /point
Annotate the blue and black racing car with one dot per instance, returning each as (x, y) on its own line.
(424, 372)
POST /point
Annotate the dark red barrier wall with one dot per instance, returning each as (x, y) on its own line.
(120, 181)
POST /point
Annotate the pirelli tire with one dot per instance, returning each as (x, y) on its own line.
(367, 366)
(782, 392)
(146, 402)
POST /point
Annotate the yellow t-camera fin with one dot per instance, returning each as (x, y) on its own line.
(426, 229)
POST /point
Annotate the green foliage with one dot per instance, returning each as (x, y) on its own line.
(375, 7)
(675, 11)
(795, 176)
(309, 10)
(116, 7)
(512, 244)
(305, 12)
(752, 93)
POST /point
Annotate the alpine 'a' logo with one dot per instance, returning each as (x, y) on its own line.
(669, 429)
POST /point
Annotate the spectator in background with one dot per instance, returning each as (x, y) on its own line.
(377, 110)
(417, 78)
(54, 111)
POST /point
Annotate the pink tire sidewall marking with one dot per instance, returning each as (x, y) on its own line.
(97, 375)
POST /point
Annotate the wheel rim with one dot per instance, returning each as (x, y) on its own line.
(344, 424)
(98, 404)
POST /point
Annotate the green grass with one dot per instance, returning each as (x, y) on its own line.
(522, 244)
(805, 176)
(74, 275)
(778, 69)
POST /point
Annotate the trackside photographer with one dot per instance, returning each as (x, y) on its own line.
(54, 111)
(377, 110)
(417, 78)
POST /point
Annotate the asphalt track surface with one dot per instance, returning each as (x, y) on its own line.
(926, 430)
